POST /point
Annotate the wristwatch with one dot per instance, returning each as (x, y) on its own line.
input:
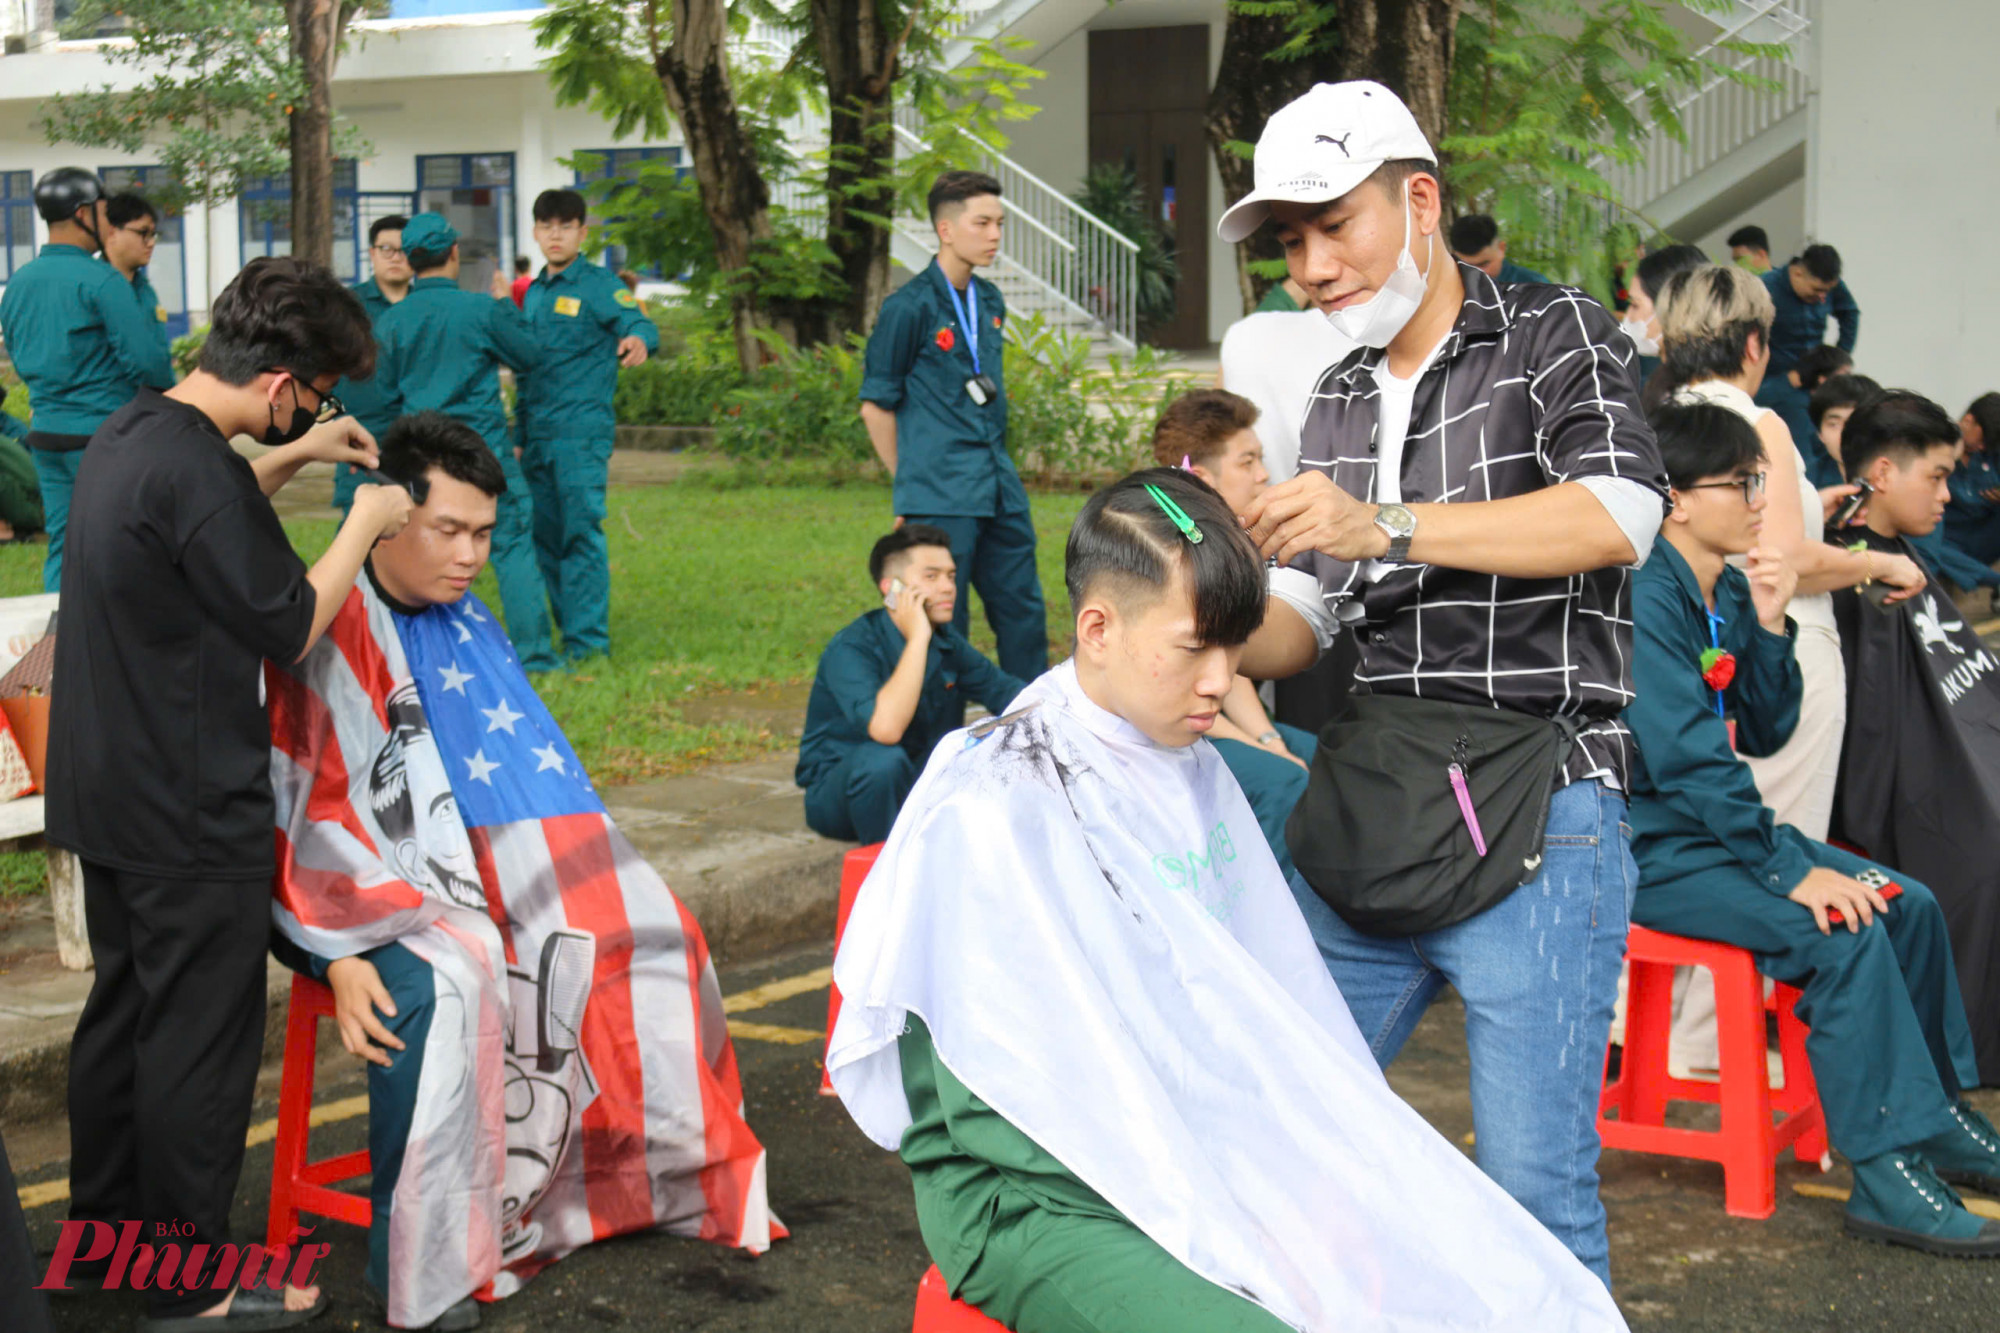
(1401, 525)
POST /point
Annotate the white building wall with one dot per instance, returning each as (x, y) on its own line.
(1903, 175)
(1054, 143)
(1782, 216)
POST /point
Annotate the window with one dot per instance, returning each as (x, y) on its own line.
(265, 213)
(168, 269)
(603, 164)
(17, 221)
(475, 193)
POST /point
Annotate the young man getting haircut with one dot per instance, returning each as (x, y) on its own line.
(1212, 432)
(1920, 769)
(1475, 482)
(935, 404)
(1083, 1007)
(1890, 1049)
(888, 686)
(588, 325)
(518, 979)
(178, 585)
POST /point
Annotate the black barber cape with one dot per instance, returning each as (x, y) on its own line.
(1920, 772)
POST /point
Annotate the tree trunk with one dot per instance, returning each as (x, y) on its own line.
(1248, 88)
(859, 56)
(1405, 45)
(312, 34)
(694, 73)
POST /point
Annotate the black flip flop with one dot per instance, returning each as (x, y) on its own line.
(258, 1311)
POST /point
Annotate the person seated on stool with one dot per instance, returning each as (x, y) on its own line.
(1211, 433)
(1890, 1047)
(888, 686)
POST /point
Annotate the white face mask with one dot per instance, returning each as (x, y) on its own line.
(1376, 321)
(1635, 329)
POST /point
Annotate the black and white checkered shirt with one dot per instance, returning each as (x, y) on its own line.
(1534, 386)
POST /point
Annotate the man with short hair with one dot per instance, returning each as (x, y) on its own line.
(442, 349)
(133, 231)
(1750, 248)
(178, 586)
(1891, 1051)
(935, 404)
(888, 686)
(1805, 291)
(79, 340)
(426, 794)
(1475, 240)
(524, 274)
(588, 325)
(389, 284)
(1476, 483)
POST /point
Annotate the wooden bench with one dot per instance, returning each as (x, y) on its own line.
(21, 621)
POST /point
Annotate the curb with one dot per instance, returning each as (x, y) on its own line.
(756, 907)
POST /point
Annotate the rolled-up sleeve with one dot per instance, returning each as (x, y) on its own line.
(853, 678)
(892, 352)
(1586, 399)
(1300, 590)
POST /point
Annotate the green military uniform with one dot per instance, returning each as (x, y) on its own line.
(1278, 299)
(20, 493)
(441, 349)
(363, 399)
(1020, 1238)
(855, 785)
(80, 340)
(151, 308)
(952, 466)
(578, 318)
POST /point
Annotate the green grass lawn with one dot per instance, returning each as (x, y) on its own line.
(712, 591)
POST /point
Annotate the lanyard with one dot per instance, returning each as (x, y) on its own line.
(968, 319)
(1715, 623)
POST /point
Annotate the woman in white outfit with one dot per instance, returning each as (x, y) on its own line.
(1715, 326)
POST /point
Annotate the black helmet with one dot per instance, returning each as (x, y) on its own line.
(63, 191)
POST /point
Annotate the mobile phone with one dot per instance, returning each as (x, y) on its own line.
(1875, 880)
(1850, 508)
(895, 594)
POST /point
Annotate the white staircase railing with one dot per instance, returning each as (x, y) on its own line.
(1723, 114)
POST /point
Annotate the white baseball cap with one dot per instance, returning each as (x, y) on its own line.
(1319, 146)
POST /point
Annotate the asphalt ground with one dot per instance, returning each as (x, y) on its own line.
(854, 1256)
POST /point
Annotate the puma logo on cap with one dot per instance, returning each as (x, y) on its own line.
(1340, 143)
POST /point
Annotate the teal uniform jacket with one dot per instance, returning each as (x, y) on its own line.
(12, 427)
(858, 662)
(440, 349)
(364, 399)
(79, 339)
(578, 317)
(153, 310)
(1513, 272)
(1695, 806)
(951, 453)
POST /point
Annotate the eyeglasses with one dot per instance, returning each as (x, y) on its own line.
(329, 406)
(389, 251)
(148, 235)
(1751, 484)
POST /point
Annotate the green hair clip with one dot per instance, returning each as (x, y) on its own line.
(1176, 513)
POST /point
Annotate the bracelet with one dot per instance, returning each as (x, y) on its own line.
(1269, 736)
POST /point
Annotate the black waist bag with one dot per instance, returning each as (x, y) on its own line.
(1380, 833)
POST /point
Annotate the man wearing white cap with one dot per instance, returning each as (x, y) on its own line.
(1476, 484)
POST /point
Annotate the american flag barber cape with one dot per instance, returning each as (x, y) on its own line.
(578, 1079)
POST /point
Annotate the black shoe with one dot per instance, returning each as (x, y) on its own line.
(83, 1279)
(254, 1311)
(461, 1316)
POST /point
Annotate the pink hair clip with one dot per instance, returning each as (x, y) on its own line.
(1187, 464)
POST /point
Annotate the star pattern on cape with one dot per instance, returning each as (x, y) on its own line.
(454, 679)
(502, 718)
(482, 767)
(550, 757)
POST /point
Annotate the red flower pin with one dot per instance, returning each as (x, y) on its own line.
(945, 339)
(1718, 668)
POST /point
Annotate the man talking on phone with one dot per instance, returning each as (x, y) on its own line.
(888, 687)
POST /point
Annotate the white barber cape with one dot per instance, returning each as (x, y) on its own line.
(1107, 954)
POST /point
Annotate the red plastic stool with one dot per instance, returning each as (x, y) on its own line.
(937, 1312)
(299, 1186)
(1748, 1143)
(853, 870)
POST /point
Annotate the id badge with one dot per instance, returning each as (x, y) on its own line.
(981, 389)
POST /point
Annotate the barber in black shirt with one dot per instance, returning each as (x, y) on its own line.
(178, 582)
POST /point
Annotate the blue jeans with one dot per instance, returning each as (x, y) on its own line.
(1539, 975)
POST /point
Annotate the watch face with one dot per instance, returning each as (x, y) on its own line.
(1398, 520)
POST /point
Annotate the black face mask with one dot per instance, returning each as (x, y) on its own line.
(302, 421)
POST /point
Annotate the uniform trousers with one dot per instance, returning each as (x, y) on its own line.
(995, 556)
(1890, 1046)
(857, 800)
(524, 597)
(164, 1061)
(55, 473)
(567, 478)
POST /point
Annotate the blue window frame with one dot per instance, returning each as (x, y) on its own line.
(265, 219)
(604, 164)
(168, 269)
(475, 193)
(17, 221)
